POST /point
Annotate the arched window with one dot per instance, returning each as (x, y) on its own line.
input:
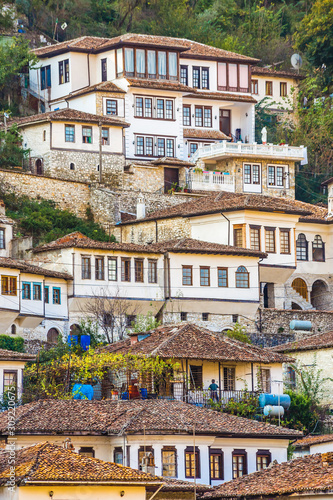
(13, 329)
(301, 247)
(242, 277)
(318, 249)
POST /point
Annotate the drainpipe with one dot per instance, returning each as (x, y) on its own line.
(88, 69)
(73, 263)
(252, 379)
(156, 232)
(226, 218)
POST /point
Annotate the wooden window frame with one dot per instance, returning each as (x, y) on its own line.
(6, 285)
(300, 248)
(183, 316)
(206, 69)
(106, 107)
(152, 275)
(264, 389)
(269, 85)
(191, 275)
(104, 69)
(84, 136)
(145, 449)
(258, 233)
(208, 108)
(187, 106)
(37, 295)
(239, 453)
(203, 278)
(216, 453)
(72, 127)
(46, 294)
(196, 68)
(218, 279)
(138, 273)
(174, 450)
(26, 287)
(315, 247)
(190, 451)
(243, 273)
(99, 271)
(125, 260)
(270, 230)
(243, 228)
(113, 259)
(118, 449)
(285, 231)
(254, 87)
(284, 86)
(205, 316)
(84, 450)
(85, 275)
(2, 238)
(56, 295)
(6, 388)
(183, 67)
(263, 453)
(227, 379)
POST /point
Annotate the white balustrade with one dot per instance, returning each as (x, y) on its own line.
(210, 181)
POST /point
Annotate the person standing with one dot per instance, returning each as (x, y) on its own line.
(213, 390)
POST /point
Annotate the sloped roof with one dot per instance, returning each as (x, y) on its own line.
(99, 87)
(221, 96)
(303, 475)
(310, 440)
(258, 70)
(158, 84)
(54, 464)
(114, 417)
(31, 269)
(6, 220)
(190, 245)
(189, 341)
(309, 343)
(7, 355)
(195, 133)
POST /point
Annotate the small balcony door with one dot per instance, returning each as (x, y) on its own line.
(171, 178)
(225, 121)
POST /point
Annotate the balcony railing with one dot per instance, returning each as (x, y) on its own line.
(225, 148)
(210, 181)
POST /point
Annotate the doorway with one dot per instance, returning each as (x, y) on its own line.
(39, 167)
(225, 121)
(171, 178)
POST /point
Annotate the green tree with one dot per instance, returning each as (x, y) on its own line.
(238, 332)
(11, 152)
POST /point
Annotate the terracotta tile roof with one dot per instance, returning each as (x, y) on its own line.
(82, 44)
(194, 133)
(171, 484)
(257, 70)
(6, 355)
(100, 87)
(229, 202)
(189, 245)
(188, 341)
(303, 475)
(309, 343)
(32, 269)
(221, 96)
(113, 417)
(158, 84)
(52, 463)
(171, 161)
(6, 220)
(328, 181)
(68, 114)
(309, 440)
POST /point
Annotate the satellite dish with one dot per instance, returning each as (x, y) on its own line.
(64, 26)
(296, 61)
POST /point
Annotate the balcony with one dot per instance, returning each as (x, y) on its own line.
(225, 149)
(210, 181)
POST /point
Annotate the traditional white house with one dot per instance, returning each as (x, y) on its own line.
(171, 439)
(312, 444)
(11, 372)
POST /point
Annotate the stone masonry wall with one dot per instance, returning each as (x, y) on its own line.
(145, 232)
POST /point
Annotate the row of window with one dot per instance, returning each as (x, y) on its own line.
(255, 238)
(276, 175)
(143, 63)
(63, 73)
(30, 291)
(200, 77)
(242, 276)
(269, 88)
(125, 269)
(202, 116)
(154, 146)
(229, 378)
(318, 248)
(233, 77)
(87, 136)
(154, 107)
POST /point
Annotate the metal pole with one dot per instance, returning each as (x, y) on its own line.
(100, 151)
(195, 466)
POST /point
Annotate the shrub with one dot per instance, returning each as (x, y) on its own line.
(12, 343)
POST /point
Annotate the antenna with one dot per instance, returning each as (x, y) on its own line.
(296, 61)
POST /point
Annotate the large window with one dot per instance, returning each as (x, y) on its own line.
(184, 75)
(195, 375)
(285, 241)
(153, 107)
(187, 275)
(283, 89)
(275, 176)
(216, 464)
(301, 247)
(10, 381)
(112, 268)
(169, 461)
(203, 116)
(138, 270)
(318, 249)
(254, 86)
(233, 77)
(129, 62)
(270, 239)
(146, 459)
(152, 271)
(86, 268)
(2, 239)
(242, 277)
(69, 133)
(37, 291)
(56, 295)
(265, 380)
(255, 237)
(154, 146)
(200, 78)
(251, 174)
(192, 462)
(87, 135)
(63, 68)
(269, 88)
(239, 463)
(111, 107)
(263, 459)
(239, 236)
(125, 269)
(222, 276)
(204, 276)
(140, 63)
(104, 70)
(229, 378)
(8, 285)
(45, 76)
(187, 116)
(99, 268)
(26, 291)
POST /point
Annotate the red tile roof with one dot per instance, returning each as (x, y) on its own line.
(99, 87)
(6, 355)
(258, 70)
(158, 84)
(189, 245)
(194, 133)
(309, 343)
(171, 161)
(109, 417)
(54, 464)
(32, 269)
(310, 440)
(221, 96)
(306, 475)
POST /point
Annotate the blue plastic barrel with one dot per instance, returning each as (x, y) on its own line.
(297, 324)
(274, 400)
(273, 411)
(144, 393)
(72, 340)
(83, 391)
(85, 342)
(124, 395)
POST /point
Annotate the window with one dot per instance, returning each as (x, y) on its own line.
(251, 174)
(138, 270)
(63, 71)
(168, 109)
(173, 66)
(263, 459)
(229, 378)
(235, 318)
(46, 295)
(69, 133)
(86, 268)
(13, 329)
(283, 89)
(87, 135)
(148, 107)
(243, 78)
(242, 277)
(125, 269)
(26, 291)
(111, 107)
(239, 235)
(2, 239)
(254, 86)
(170, 146)
(207, 117)
(183, 316)
(198, 116)
(192, 462)
(139, 106)
(118, 455)
(169, 461)
(120, 62)
(104, 70)
(239, 463)
(151, 56)
(301, 247)
(193, 147)
(45, 75)
(270, 239)
(222, 276)
(56, 295)
(187, 275)
(149, 146)
(146, 459)
(105, 137)
(140, 146)
(285, 241)
(160, 108)
(196, 78)
(265, 380)
(216, 464)
(222, 76)
(87, 451)
(130, 319)
(72, 166)
(205, 316)
(187, 116)
(10, 381)
(37, 291)
(9, 285)
(184, 75)
(255, 237)
(233, 77)
(140, 63)
(318, 249)
(195, 376)
(112, 269)
(162, 65)
(99, 268)
(205, 78)
(291, 378)
(269, 88)
(129, 62)
(276, 176)
(152, 271)
(204, 276)
(160, 147)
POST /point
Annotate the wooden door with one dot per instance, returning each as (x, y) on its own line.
(225, 121)
(171, 178)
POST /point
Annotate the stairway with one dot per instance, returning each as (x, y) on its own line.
(293, 296)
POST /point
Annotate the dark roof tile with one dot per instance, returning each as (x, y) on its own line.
(32, 269)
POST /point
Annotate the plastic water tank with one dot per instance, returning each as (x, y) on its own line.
(274, 400)
(273, 411)
(83, 391)
(85, 342)
(296, 324)
(72, 340)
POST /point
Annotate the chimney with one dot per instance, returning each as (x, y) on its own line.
(2, 208)
(134, 338)
(140, 207)
(330, 198)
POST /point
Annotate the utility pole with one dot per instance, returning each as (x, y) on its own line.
(100, 151)
(195, 466)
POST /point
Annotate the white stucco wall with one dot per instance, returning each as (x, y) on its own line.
(275, 101)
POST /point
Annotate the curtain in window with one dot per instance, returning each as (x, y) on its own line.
(162, 64)
(140, 61)
(129, 60)
(120, 66)
(222, 75)
(172, 64)
(232, 75)
(243, 76)
(151, 62)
